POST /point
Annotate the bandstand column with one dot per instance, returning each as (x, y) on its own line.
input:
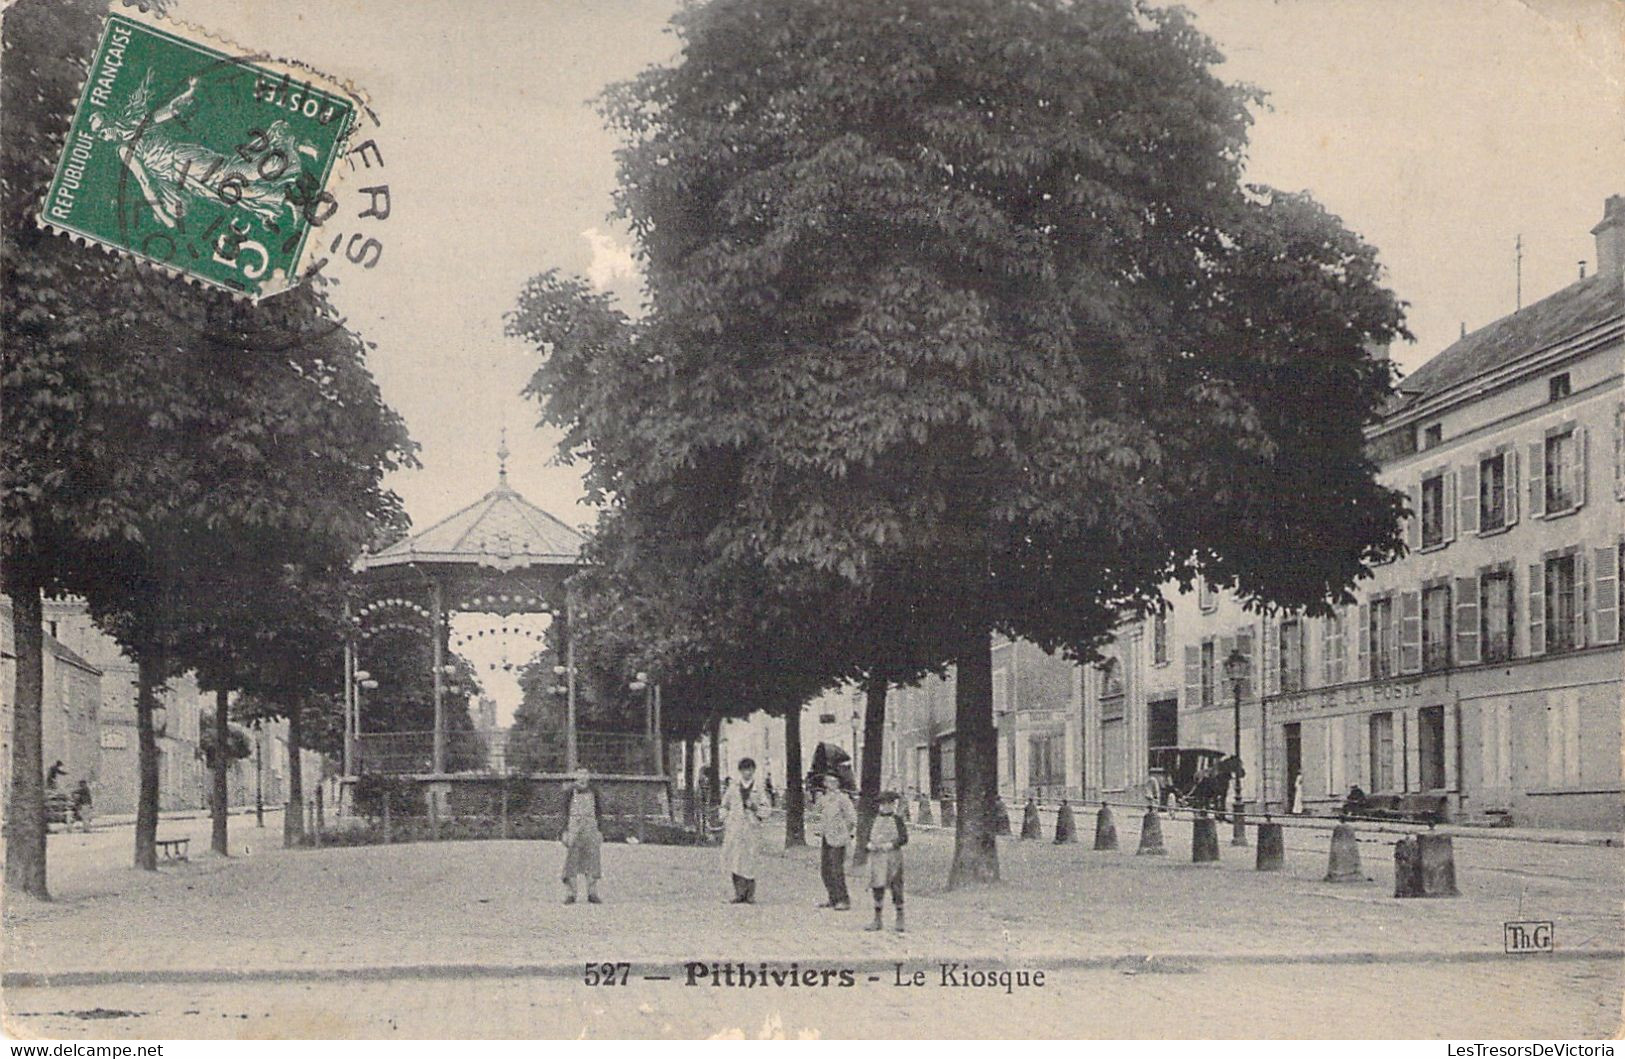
(349, 698)
(438, 602)
(570, 759)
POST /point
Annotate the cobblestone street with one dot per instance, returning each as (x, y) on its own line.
(271, 934)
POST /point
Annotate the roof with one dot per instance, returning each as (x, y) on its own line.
(501, 529)
(1576, 308)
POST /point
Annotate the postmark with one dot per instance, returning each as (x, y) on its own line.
(205, 162)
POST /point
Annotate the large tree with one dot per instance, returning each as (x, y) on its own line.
(969, 303)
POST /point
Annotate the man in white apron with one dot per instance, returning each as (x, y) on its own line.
(743, 810)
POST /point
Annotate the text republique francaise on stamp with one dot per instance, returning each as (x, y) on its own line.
(209, 164)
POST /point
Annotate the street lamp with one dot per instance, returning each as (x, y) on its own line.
(1237, 666)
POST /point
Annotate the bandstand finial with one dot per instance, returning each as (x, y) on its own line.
(502, 458)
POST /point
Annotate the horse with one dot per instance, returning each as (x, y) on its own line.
(1214, 784)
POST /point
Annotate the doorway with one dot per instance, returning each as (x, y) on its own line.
(1164, 721)
(1294, 765)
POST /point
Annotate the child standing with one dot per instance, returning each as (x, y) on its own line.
(887, 838)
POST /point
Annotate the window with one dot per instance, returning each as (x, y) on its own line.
(1495, 589)
(1292, 655)
(1046, 765)
(1208, 664)
(1333, 650)
(1244, 644)
(1561, 610)
(1206, 598)
(1382, 637)
(1492, 493)
(1382, 751)
(1159, 638)
(1430, 747)
(1433, 511)
(1561, 494)
(1432, 435)
(1557, 387)
(1435, 626)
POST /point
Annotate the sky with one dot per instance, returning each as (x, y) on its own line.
(1440, 130)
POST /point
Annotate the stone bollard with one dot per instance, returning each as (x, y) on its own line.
(1425, 866)
(1106, 830)
(1150, 835)
(1066, 829)
(1344, 863)
(1001, 818)
(1029, 821)
(1204, 840)
(1271, 847)
(925, 812)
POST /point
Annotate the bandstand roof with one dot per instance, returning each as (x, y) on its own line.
(501, 530)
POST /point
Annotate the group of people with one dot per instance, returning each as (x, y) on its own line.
(745, 810)
(78, 803)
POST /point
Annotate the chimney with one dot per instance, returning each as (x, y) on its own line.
(1610, 234)
(1377, 351)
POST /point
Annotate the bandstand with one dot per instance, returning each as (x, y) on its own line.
(501, 555)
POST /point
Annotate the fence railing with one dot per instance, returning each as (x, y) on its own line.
(503, 752)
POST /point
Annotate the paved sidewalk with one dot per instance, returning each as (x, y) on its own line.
(493, 907)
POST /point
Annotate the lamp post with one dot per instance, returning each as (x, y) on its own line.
(363, 681)
(856, 719)
(1236, 668)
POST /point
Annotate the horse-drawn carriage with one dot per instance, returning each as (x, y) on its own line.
(1195, 777)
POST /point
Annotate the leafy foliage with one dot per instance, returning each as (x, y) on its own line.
(967, 305)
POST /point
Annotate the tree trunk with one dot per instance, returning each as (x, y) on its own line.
(795, 787)
(146, 799)
(222, 761)
(25, 805)
(874, 748)
(293, 821)
(715, 793)
(976, 761)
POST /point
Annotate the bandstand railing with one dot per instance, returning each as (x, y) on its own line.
(504, 752)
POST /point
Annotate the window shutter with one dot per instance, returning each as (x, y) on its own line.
(1271, 655)
(1467, 620)
(1605, 595)
(1511, 472)
(1619, 451)
(1221, 683)
(1413, 524)
(1469, 499)
(1582, 464)
(1328, 652)
(1246, 643)
(1537, 609)
(1362, 636)
(1410, 632)
(1362, 738)
(1193, 677)
(1537, 479)
(1581, 584)
(1447, 517)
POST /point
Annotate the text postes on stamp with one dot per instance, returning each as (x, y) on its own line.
(210, 164)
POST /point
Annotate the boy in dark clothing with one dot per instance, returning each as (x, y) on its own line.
(887, 837)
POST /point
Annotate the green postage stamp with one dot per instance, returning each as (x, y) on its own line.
(205, 163)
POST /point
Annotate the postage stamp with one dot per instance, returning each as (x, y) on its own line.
(208, 164)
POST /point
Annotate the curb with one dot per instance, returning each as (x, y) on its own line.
(1148, 963)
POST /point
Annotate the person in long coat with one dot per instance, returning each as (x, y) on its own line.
(887, 837)
(743, 810)
(583, 837)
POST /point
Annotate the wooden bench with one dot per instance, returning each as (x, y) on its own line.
(172, 848)
(1408, 808)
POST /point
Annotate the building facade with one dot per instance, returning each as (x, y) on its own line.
(1484, 666)
(70, 716)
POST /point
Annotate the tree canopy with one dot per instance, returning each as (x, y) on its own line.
(970, 304)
